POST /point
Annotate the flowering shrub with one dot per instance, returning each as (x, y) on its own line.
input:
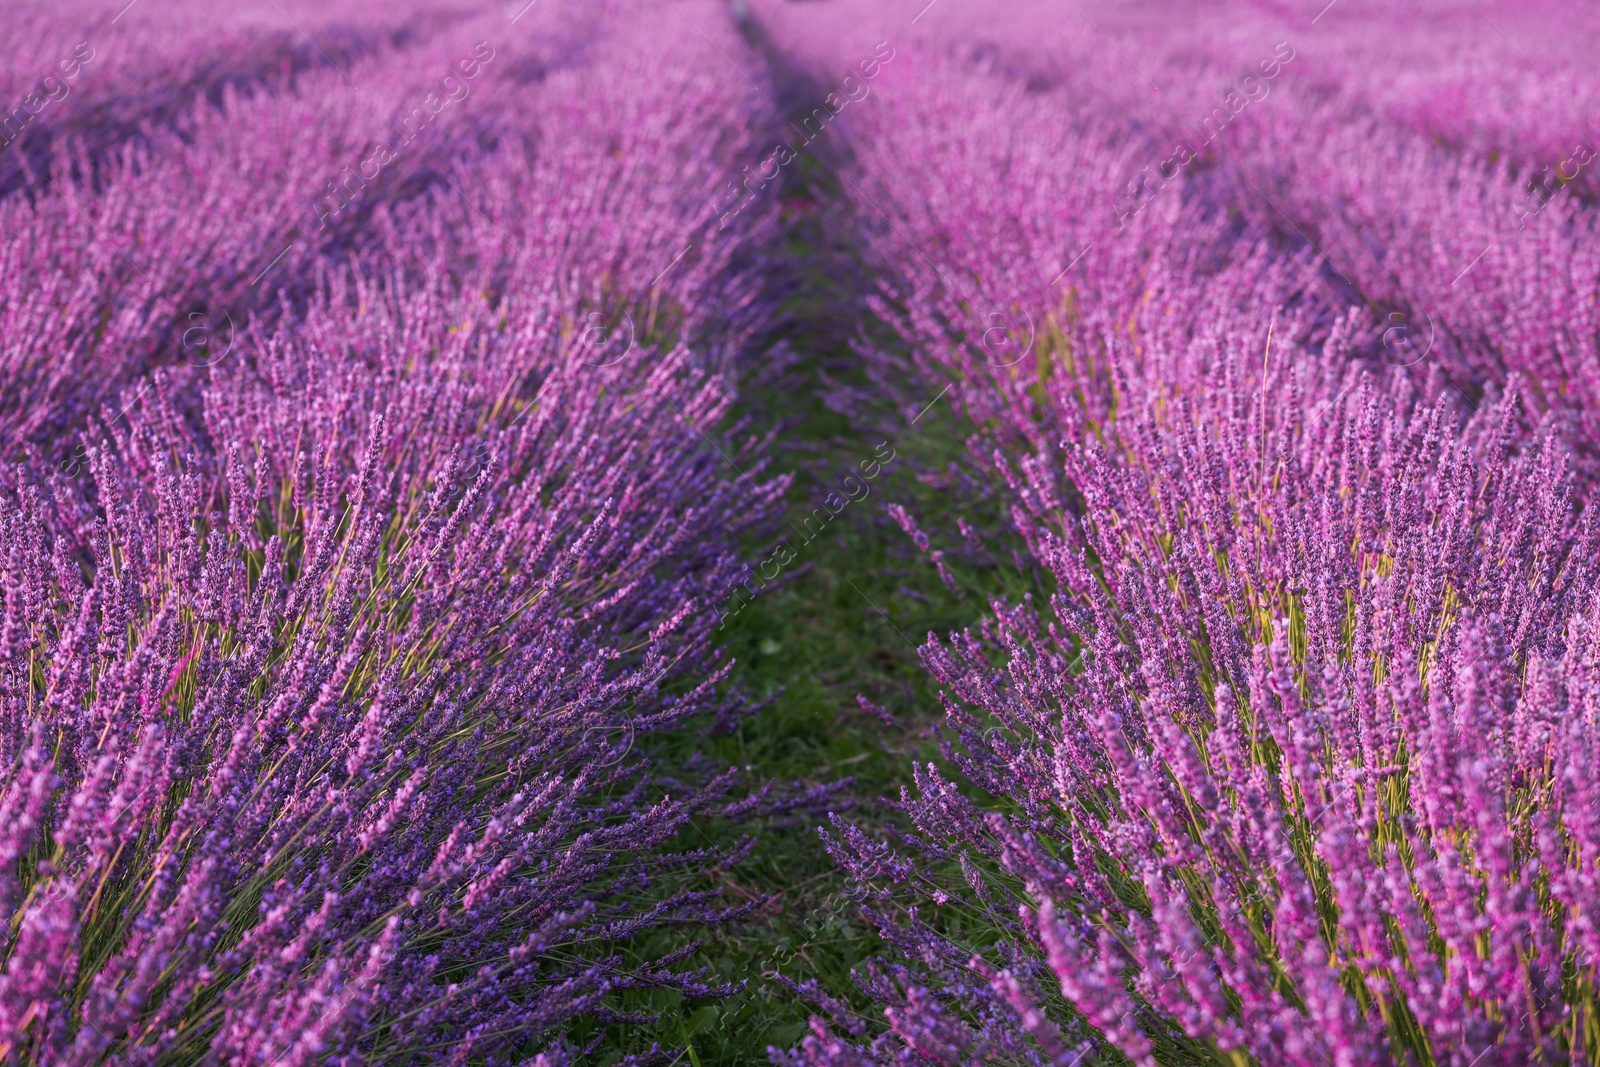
(1288, 764)
(346, 554)
(1308, 759)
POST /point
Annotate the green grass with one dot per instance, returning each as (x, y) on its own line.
(845, 618)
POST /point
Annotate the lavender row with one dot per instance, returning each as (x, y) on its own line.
(1289, 762)
(390, 519)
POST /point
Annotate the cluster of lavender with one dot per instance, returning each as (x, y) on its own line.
(1292, 763)
(343, 554)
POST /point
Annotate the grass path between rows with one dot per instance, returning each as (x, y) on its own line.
(844, 618)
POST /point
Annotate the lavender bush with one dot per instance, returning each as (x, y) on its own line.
(356, 524)
(1288, 763)
(1305, 754)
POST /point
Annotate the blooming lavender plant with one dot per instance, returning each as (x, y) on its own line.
(1285, 767)
(322, 662)
(1300, 751)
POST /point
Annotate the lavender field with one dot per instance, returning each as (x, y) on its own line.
(820, 533)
